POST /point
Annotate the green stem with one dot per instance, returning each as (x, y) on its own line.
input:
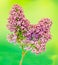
(23, 54)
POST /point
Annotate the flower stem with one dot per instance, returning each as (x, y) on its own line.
(23, 54)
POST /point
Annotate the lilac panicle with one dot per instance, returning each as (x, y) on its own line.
(31, 37)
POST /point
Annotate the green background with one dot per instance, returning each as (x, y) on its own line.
(34, 10)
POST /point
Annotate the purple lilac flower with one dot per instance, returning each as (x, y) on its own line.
(39, 32)
(17, 19)
(31, 37)
(17, 23)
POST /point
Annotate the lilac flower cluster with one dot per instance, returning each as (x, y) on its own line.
(30, 37)
(17, 23)
(38, 35)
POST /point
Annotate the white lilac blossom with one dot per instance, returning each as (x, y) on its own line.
(30, 37)
(12, 38)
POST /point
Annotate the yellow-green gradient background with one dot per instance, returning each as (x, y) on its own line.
(34, 10)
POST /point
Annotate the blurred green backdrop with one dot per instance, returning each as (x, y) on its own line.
(34, 10)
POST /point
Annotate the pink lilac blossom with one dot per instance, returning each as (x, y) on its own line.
(31, 37)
